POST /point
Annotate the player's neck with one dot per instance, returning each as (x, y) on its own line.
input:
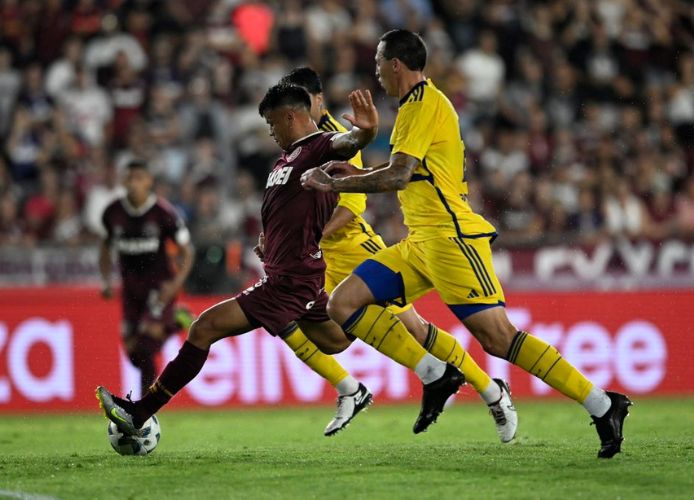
(409, 80)
(305, 131)
(137, 202)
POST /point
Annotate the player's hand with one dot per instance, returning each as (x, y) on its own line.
(107, 292)
(259, 249)
(339, 169)
(316, 178)
(365, 114)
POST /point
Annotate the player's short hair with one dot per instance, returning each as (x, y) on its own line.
(284, 95)
(137, 164)
(304, 77)
(406, 46)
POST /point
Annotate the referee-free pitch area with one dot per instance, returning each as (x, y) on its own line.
(281, 453)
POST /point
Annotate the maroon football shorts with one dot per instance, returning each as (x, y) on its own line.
(137, 312)
(275, 301)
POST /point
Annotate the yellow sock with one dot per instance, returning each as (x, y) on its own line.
(381, 329)
(323, 364)
(445, 347)
(546, 363)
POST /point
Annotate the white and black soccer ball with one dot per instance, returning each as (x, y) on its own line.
(135, 445)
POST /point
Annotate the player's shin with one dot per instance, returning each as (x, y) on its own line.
(546, 362)
(323, 364)
(445, 347)
(181, 370)
(382, 330)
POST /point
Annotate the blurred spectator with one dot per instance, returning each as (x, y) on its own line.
(67, 226)
(61, 73)
(88, 109)
(577, 115)
(484, 70)
(625, 214)
(10, 81)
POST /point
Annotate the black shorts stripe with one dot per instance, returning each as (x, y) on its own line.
(473, 265)
(483, 269)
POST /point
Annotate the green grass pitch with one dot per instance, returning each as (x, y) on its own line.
(281, 453)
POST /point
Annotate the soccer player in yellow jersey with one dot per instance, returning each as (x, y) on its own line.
(448, 247)
(348, 240)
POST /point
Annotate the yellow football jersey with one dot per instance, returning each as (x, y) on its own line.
(357, 230)
(434, 203)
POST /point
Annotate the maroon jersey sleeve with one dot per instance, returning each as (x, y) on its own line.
(172, 225)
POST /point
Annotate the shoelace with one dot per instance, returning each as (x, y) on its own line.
(498, 413)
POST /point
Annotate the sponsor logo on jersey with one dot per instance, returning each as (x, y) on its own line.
(294, 155)
(317, 255)
(310, 305)
(279, 177)
(137, 246)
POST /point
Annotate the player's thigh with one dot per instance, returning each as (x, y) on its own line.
(394, 274)
(327, 335)
(224, 319)
(463, 274)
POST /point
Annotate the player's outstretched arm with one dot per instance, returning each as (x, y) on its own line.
(342, 177)
(364, 125)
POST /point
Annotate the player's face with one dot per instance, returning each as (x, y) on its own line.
(138, 183)
(384, 72)
(279, 122)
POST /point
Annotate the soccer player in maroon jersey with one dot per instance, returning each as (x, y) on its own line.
(138, 227)
(293, 221)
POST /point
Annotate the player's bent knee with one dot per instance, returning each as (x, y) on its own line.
(495, 340)
(201, 334)
(338, 309)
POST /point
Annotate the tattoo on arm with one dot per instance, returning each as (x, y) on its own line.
(392, 176)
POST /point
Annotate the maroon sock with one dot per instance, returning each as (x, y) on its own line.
(181, 370)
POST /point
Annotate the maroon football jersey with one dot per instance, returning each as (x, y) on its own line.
(139, 237)
(293, 217)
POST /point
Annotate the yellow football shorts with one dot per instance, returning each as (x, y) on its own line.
(342, 259)
(459, 269)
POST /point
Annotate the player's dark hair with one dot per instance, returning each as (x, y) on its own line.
(304, 77)
(284, 95)
(137, 164)
(406, 46)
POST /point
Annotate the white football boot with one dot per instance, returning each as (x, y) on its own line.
(347, 409)
(504, 413)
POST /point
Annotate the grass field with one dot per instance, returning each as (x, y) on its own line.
(282, 454)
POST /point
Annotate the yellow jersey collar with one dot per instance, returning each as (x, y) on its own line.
(416, 87)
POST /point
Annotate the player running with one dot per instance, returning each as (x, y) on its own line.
(138, 226)
(448, 247)
(293, 220)
(348, 240)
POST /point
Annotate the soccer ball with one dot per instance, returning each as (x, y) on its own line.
(135, 445)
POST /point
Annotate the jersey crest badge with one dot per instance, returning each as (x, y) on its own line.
(294, 155)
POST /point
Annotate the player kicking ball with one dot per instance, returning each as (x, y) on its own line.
(448, 247)
(293, 220)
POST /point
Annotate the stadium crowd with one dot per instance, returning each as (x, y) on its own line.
(578, 115)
